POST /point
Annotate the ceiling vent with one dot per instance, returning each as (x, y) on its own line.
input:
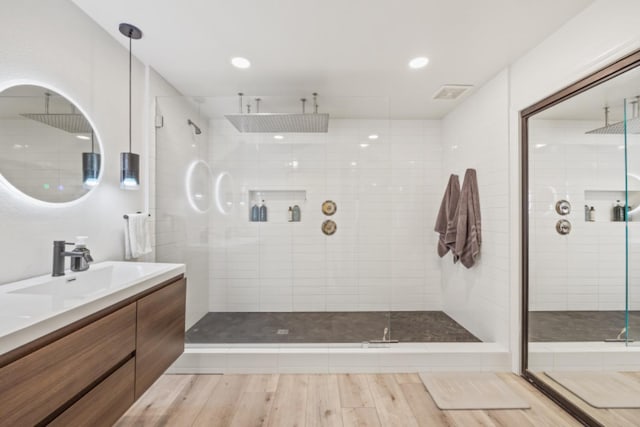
(451, 92)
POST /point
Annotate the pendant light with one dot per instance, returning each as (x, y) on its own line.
(90, 167)
(130, 162)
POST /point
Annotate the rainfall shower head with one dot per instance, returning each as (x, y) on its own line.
(196, 129)
(280, 122)
(73, 122)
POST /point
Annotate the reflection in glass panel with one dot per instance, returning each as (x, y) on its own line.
(581, 151)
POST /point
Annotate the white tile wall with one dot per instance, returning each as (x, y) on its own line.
(476, 135)
(584, 270)
(382, 256)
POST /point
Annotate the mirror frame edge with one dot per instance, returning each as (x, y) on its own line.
(8, 84)
(614, 69)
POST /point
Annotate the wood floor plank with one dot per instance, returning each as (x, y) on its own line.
(152, 405)
(323, 401)
(412, 378)
(463, 418)
(190, 400)
(423, 407)
(393, 409)
(266, 383)
(360, 417)
(252, 409)
(222, 404)
(354, 391)
(290, 402)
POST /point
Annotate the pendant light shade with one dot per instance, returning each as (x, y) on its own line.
(90, 170)
(90, 167)
(129, 171)
(130, 162)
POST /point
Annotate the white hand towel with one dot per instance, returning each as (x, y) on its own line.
(137, 237)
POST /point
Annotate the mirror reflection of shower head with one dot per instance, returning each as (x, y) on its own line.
(196, 129)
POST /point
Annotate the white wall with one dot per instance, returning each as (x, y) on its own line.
(54, 43)
(383, 254)
(476, 135)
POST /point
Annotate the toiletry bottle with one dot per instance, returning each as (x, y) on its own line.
(618, 211)
(263, 212)
(290, 214)
(592, 214)
(255, 212)
(296, 213)
(586, 212)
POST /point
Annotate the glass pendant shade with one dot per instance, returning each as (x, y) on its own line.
(90, 170)
(129, 171)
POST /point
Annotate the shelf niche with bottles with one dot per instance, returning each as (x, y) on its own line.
(604, 201)
(277, 202)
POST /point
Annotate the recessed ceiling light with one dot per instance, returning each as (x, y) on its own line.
(278, 137)
(364, 145)
(418, 62)
(354, 164)
(373, 136)
(240, 62)
(85, 137)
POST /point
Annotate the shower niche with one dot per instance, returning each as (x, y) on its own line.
(277, 203)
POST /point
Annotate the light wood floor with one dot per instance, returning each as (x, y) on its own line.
(321, 400)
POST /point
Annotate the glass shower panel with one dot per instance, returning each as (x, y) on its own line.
(276, 272)
(632, 216)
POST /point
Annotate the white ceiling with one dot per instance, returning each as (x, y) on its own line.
(334, 47)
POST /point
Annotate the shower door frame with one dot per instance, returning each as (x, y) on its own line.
(609, 72)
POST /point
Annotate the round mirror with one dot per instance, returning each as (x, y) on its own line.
(48, 148)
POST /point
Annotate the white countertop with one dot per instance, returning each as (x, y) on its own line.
(32, 308)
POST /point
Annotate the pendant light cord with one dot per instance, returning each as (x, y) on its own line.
(130, 34)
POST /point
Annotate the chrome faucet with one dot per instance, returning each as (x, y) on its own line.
(80, 258)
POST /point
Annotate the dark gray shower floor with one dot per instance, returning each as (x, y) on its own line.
(545, 326)
(326, 327)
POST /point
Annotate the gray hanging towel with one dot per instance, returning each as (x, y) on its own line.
(445, 224)
(468, 231)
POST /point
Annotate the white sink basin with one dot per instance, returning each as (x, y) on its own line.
(73, 286)
(33, 307)
(87, 284)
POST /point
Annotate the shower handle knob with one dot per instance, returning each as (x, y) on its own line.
(563, 227)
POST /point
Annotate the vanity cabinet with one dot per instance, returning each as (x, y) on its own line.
(91, 371)
(160, 333)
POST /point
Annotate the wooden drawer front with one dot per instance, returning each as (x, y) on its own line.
(36, 385)
(105, 403)
(160, 334)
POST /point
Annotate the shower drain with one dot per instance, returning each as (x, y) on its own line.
(283, 332)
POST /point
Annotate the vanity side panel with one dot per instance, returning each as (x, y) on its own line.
(38, 384)
(104, 404)
(160, 333)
